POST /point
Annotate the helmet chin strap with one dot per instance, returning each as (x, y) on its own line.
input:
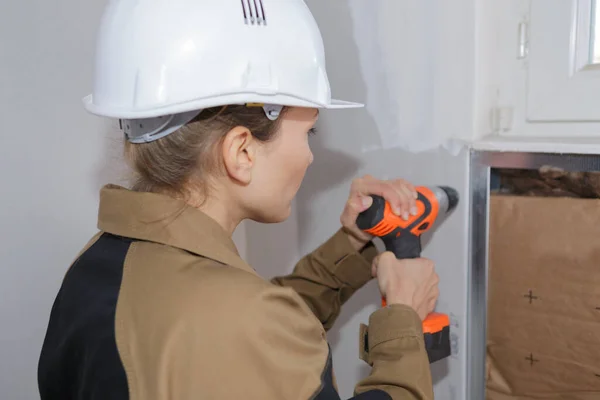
(145, 130)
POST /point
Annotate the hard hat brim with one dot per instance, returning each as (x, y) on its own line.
(109, 112)
(340, 104)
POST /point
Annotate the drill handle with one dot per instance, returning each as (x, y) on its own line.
(403, 244)
(370, 217)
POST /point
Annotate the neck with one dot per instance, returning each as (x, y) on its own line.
(224, 213)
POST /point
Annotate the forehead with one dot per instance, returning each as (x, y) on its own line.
(302, 114)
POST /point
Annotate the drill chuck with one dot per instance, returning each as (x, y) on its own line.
(450, 196)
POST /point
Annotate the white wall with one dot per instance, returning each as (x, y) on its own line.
(54, 158)
(429, 49)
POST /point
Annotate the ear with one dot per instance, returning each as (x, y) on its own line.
(239, 154)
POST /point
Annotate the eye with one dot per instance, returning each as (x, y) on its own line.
(312, 131)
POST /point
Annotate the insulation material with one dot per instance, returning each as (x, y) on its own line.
(544, 298)
(550, 182)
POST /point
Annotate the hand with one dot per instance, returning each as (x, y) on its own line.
(412, 282)
(401, 195)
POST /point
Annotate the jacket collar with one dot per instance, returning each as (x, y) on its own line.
(162, 219)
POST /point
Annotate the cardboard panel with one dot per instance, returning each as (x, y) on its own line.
(544, 298)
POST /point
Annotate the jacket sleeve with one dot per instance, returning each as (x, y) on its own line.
(330, 275)
(393, 344)
(281, 352)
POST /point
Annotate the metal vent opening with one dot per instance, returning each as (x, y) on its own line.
(254, 12)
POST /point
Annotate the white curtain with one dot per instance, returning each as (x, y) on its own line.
(417, 61)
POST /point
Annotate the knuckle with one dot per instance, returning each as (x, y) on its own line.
(387, 256)
(428, 264)
(401, 195)
(404, 183)
(351, 205)
(391, 193)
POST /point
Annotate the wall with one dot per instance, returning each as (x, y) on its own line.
(54, 158)
(50, 168)
(413, 63)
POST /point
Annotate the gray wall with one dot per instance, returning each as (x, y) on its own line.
(52, 163)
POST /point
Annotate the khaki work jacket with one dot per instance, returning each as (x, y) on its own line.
(159, 305)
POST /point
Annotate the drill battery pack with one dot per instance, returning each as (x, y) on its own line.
(436, 331)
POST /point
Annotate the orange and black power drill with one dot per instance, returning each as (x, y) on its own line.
(403, 238)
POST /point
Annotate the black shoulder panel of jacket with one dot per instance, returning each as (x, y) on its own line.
(328, 392)
(79, 357)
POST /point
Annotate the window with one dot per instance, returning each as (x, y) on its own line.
(564, 61)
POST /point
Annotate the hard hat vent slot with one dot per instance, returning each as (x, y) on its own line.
(254, 12)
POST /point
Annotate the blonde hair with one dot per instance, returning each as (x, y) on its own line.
(180, 163)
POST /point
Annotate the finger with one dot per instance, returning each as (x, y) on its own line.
(406, 202)
(409, 195)
(412, 189)
(378, 260)
(430, 307)
(429, 265)
(412, 200)
(374, 264)
(406, 186)
(370, 186)
(435, 294)
(354, 206)
(358, 198)
(402, 199)
(363, 202)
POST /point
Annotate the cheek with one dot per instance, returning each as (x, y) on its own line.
(295, 162)
(287, 166)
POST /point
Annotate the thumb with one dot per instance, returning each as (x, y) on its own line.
(365, 202)
(374, 265)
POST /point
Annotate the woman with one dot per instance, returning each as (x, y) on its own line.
(216, 103)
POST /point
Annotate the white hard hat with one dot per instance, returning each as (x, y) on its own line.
(160, 62)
